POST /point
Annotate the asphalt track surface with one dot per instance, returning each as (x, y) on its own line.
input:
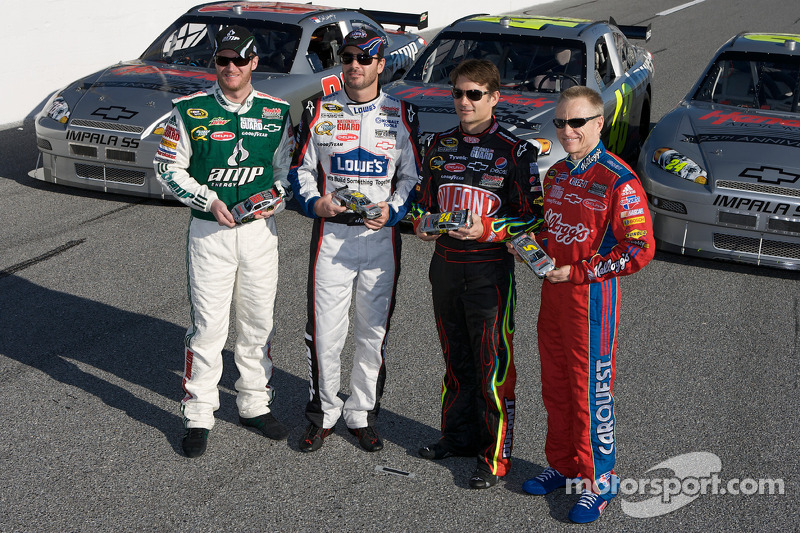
(93, 310)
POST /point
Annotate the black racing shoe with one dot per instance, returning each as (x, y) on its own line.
(267, 425)
(368, 438)
(194, 442)
(313, 437)
(481, 479)
(435, 451)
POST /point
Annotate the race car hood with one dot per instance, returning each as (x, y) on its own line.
(138, 94)
(728, 142)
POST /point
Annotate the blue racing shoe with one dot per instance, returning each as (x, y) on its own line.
(545, 483)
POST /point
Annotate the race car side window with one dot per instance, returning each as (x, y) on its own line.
(603, 66)
(323, 49)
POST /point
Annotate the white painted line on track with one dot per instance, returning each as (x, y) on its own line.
(678, 8)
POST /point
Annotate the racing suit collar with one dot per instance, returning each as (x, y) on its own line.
(233, 107)
(582, 165)
(359, 107)
(489, 129)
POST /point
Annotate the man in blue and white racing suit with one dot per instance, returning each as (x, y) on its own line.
(364, 139)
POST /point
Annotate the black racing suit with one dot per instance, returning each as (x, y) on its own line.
(495, 175)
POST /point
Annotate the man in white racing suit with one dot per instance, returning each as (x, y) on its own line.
(221, 146)
(364, 139)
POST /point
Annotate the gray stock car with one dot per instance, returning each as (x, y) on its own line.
(101, 132)
(537, 58)
(722, 169)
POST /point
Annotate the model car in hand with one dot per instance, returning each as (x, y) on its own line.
(538, 57)
(722, 169)
(245, 211)
(102, 131)
(533, 255)
(357, 202)
(444, 222)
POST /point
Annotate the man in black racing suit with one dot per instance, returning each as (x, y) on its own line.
(479, 166)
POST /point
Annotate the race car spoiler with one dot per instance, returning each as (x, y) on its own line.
(641, 33)
(398, 19)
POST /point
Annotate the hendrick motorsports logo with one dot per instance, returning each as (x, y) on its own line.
(692, 475)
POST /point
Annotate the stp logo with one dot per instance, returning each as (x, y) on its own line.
(222, 136)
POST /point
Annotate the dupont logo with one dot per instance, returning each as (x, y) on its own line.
(346, 137)
(455, 167)
(223, 136)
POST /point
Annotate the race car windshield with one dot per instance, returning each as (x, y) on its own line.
(190, 41)
(759, 81)
(526, 63)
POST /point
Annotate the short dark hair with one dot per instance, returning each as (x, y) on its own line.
(478, 71)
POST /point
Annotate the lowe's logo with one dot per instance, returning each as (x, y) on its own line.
(361, 163)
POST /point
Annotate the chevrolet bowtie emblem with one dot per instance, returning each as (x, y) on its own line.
(114, 113)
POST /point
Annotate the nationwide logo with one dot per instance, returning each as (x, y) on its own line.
(346, 137)
(360, 163)
(222, 136)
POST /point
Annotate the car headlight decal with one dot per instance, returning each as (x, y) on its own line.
(59, 110)
(678, 164)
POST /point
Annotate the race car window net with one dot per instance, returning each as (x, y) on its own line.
(525, 63)
(190, 41)
(760, 81)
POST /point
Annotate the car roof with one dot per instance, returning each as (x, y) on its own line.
(780, 43)
(558, 27)
(281, 12)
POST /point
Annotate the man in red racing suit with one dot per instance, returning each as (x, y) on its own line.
(598, 228)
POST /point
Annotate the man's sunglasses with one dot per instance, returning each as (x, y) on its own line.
(472, 94)
(363, 59)
(574, 123)
(223, 61)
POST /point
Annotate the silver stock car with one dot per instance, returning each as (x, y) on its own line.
(722, 169)
(101, 132)
(538, 57)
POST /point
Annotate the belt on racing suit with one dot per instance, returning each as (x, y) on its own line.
(451, 255)
(348, 219)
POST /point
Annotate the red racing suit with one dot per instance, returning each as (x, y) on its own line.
(472, 283)
(597, 222)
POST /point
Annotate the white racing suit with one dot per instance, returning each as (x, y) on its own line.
(215, 149)
(371, 148)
